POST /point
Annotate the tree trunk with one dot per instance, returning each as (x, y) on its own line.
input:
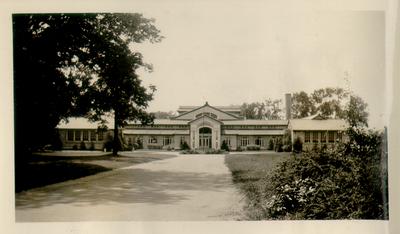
(115, 140)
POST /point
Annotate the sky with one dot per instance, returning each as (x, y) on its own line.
(233, 53)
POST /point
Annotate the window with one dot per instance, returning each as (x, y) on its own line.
(323, 137)
(100, 136)
(92, 135)
(182, 139)
(331, 136)
(129, 141)
(70, 135)
(85, 135)
(315, 137)
(259, 141)
(244, 141)
(78, 135)
(152, 140)
(307, 137)
(167, 140)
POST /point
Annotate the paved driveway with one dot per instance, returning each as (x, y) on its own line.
(187, 187)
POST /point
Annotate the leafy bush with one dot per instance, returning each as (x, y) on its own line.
(278, 145)
(271, 144)
(108, 145)
(91, 146)
(184, 146)
(287, 148)
(82, 146)
(252, 147)
(74, 147)
(297, 145)
(224, 146)
(343, 182)
(138, 144)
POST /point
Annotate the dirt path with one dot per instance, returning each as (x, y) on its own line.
(188, 187)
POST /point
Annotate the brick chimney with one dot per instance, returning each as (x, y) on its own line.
(288, 103)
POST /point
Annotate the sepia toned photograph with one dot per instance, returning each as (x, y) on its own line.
(235, 113)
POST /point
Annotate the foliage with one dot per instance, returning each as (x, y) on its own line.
(269, 109)
(270, 144)
(184, 146)
(206, 151)
(297, 145)
(355, 113)
(91, 146)
(253, 147)
(331, 103)
(346, 182)
(163, 114)
(82, 146)
(109, 144)
(302, 105)
(278, 144)
(287, 141)
(224, 146)
(77, 65)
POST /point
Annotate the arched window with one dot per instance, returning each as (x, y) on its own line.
(205, 130)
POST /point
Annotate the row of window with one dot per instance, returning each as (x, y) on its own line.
(212, 115)
(167, 140)
(84, 135)
(322, 136)
(244, 141)
(238, 127)
(159, 126)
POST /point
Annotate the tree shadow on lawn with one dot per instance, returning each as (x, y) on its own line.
(37, 170)
(124, 186)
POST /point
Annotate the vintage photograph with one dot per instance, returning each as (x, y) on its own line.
(235, 113)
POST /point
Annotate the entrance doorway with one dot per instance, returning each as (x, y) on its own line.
(205, 135)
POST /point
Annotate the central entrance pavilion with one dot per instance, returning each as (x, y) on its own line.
(205, 127)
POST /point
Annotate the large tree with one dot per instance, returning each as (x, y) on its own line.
(331, 103)
(77, 65)
(269, 109)
(356, 112)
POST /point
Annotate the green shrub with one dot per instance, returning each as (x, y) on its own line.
(224, 146)
(91, 146)
(278, 145)
(139, 144)
(82, 146)
(287, 148)
(344, 182)
(271, 144)
(297, 145)
(74, 147)
(252, 147)
(184, 146)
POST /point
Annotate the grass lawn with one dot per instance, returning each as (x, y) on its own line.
(41, 170)
(248, 172)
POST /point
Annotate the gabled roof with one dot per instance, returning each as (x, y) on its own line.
(205, 116)
(318, 125)
(206, 105)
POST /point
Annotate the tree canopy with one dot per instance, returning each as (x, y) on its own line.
(77, 65)
(331, 103)
(269, 109)
(327, 102)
